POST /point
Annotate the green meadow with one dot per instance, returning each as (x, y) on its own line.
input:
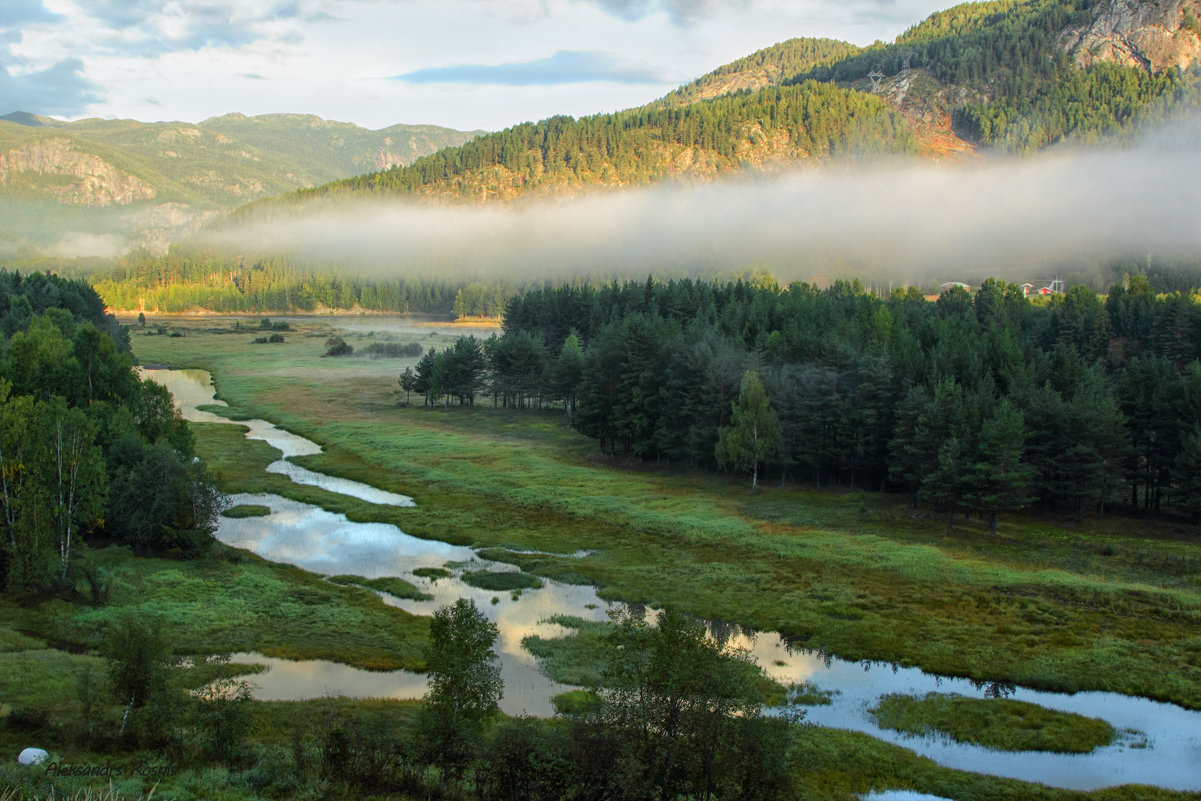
(1103, 605)
(1107, 605)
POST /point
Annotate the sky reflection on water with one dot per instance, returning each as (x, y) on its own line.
(1160, 744)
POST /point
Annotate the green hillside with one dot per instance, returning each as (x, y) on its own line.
(996, 75)
(148, 182)
(703, 139)
(338, 147)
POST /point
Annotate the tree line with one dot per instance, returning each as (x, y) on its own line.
(86, 448)
(184, 280)
(986, 402)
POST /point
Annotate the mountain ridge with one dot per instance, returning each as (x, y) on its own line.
(1002, 75)
(1005, 75)
(157, 181)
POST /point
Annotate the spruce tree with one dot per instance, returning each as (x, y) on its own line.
(999, 480)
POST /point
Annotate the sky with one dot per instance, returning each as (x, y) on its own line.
(465, 64)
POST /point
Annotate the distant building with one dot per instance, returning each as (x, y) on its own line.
(1026, 287)
(944, 287)
(1053, 288)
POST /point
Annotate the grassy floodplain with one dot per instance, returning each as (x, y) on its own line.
(859, 574)
(1113, 605)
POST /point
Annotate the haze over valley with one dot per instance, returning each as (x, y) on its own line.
(600, 399)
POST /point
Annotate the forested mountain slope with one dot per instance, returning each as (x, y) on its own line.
(767, 67)
(703, 139)
(1014, 75)
(117, 181)
(1007, 75)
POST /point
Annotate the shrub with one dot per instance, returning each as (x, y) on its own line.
(221, 716)
(393, 350)
(336, 346)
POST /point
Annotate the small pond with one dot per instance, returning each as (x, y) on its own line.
(1160, 743)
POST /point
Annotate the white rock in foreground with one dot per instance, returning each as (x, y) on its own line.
(32, 756)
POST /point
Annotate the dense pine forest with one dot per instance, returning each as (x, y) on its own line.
(818, 120)
(766, 66)
(986, 402)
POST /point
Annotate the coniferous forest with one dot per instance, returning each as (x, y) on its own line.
(985, 403)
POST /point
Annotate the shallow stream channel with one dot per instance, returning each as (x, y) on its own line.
(1159, 744)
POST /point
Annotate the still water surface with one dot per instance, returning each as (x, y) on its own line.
(1160, 743)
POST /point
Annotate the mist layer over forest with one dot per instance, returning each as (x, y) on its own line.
(892, 221)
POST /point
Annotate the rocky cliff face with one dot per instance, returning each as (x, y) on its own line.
(1152, 34)
(154, 228)
(99, 183)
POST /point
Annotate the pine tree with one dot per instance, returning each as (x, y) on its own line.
(1188, 470)
(999, 480)
(943, 487)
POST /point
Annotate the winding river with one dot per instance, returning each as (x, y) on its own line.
(1160, 744)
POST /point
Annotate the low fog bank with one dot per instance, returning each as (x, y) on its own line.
(897, 223)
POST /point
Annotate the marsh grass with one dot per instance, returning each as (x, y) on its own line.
(809, 694)
(1108, 605)
(243, 510)
(109, 793)
(396, 587)
(576, 702)
(432, 573)
(582, 657)
(833, 764)
(577, 659)
(510, 580)
(220, 604)
(1000, 723)
(1104, 606)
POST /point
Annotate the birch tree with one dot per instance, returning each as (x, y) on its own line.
(70, 474)
(754, 432)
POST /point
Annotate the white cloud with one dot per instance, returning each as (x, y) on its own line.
(333, 57)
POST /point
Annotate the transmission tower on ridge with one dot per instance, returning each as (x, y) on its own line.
(876, 77)
(906, 55)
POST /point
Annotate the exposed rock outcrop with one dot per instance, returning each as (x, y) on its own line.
(99, 184)
(154, 228)
(1152, 34)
